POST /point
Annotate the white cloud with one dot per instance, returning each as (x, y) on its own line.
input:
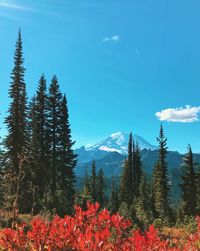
(114, 38)
(186, 115)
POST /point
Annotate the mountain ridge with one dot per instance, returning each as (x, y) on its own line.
(111, 160)
(118, 142)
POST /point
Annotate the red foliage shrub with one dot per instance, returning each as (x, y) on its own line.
(89, 230)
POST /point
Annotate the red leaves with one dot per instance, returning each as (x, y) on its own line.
(90, 230)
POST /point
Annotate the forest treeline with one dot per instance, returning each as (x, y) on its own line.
(37, 164)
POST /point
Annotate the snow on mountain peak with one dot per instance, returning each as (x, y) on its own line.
(119, 137)
(117, 142)
(116, 135)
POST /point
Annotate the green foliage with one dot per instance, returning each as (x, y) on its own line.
(37, 164)
(16, 121)
(114, 198)
(94, 182)
(137, 170)
(161, 188)
(188, 186)
(124, 210)
(101, 186)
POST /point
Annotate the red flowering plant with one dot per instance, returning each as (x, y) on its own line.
(90, 230)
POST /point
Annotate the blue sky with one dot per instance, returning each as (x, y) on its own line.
(119, 62)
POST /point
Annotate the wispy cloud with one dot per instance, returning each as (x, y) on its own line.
(137, 51)
(19, 7)
(13, 18)
(185, 115)
(115, 39)
(15, 6)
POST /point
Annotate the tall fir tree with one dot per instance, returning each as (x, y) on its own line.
(2, 171)
(161, 188)
(16, 121)
(16, 140)
(86, 193)
(33, 150)
(143, 213)
(114, 198)
(53, 132)
(101, 185)
(137, 166)
(94, 182)
(130, 171)
(198, 189)
(41, 112)
(188, 186)
(123, 189)
(67, 160)
(129, 183)
(39, 148)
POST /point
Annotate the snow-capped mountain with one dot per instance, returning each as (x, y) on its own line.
(117, 142)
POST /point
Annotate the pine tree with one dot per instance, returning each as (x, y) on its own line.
(67, 160)
(41, 112)
(54, 111)
(114, 199)
(127, 178)
(137, 169)
(198, 189)
(101, 198)
(16, 140)
(34, 158)
(94, 182)
(123, 189)
(2, 172)
(161, 187)
(188, 186)
(130, 173)
(39, 148)
(86, 193)
(144, 215)
(144, 192)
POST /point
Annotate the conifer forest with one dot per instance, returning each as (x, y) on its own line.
(45, 205)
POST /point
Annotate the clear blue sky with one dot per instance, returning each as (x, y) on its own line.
(119, 62)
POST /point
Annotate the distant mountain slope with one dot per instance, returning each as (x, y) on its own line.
(117, 142)
(112, 162)
(111, 165)
(110, 153)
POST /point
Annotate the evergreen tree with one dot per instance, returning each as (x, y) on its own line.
(40, 110)
(101, 198)
(114, 199)
(198, 189)
(2, 172)
(94, 182)
(138, 169)
(144, 215)
(130, 173)
(16, 140)
(67, 160)
(128, 176)
(188, 186)
(37, 179)
(161, 187)
(144, 192)
(124, 179)
(54, 111)
(86, 194)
